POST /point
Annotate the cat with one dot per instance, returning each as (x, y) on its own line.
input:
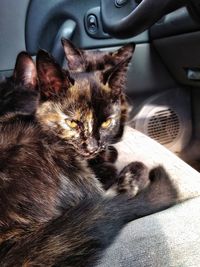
(83, 61)
(17, 98)
(53, 210)
(80, 60)
(102, 163)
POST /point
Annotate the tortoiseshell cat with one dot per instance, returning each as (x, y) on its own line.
(53, 210)
(82, 61)
(13, 96)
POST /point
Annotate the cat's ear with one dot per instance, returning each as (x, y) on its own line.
(115, 77)
(25, 71)
(52, 79)
(124, 53)
(74, 56)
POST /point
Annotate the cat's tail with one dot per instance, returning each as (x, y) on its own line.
(80, 236)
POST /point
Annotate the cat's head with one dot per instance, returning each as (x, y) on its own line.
(18, 94)
(87, 109)
(80, 60)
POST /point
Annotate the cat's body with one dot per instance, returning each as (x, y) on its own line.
(33, 159)
(53, 210)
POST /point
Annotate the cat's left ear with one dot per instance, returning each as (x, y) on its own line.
(115, 77)
(74, 56)
(52, 79)
(25, 71)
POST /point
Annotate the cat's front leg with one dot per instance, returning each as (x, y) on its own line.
(106, 173)
(104, 168)
(110, 154)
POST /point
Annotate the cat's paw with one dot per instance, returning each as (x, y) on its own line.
(133, 179)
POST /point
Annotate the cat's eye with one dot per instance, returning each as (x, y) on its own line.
(71, 123)
(106, 124)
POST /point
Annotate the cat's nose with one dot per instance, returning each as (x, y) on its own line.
(92, 145)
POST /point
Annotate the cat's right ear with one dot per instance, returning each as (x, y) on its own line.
(116, 76)
(25, 71)
(74, 56)
(52, 79)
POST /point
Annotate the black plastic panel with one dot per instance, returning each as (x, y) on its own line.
(177, 22)
(44, 21)
(147, 74)
(12, 22)
(194, 9)
(180, 53)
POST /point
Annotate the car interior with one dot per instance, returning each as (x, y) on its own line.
(164, 77)
(163, 88)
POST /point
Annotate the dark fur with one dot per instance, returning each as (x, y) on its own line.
(82, 61)
(53, 210)
(18, 93)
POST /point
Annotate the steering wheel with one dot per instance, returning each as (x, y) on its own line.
(127, 18)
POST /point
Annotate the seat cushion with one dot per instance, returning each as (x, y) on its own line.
(170, 238)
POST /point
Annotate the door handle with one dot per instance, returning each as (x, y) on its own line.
(66, 31)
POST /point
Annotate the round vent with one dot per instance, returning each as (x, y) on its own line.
(166, 118)
(164, 126)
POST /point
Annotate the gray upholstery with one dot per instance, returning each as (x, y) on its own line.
(167, 239)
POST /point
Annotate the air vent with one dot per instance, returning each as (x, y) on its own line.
(166, 118)
(164, 126)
